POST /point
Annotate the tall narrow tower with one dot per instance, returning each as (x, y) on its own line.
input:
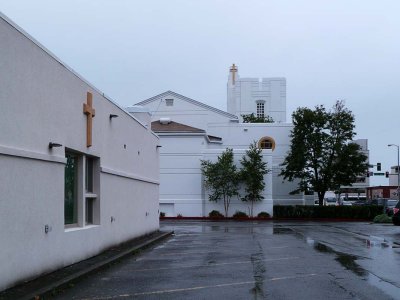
(260, 96)
(231, 97)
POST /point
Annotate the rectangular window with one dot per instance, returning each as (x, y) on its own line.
(89, 175)
(81, 190)
(90, 210)
(169, 102)
(71, 189)
(260, 110)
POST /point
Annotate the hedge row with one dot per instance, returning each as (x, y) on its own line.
(333, 212)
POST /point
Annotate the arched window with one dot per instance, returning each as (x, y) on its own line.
(266, 143)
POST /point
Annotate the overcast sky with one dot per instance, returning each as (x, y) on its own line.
(327, 50)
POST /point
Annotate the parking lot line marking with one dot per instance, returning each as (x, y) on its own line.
(195, 288)
(218, 264)
(205, 251)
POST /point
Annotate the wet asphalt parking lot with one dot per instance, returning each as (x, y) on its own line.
(256, 260)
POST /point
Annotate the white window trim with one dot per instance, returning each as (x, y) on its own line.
(82, 195)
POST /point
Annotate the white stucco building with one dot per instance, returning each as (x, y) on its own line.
(190, 131)
(78, 174)
(358, 188)
(260, 96)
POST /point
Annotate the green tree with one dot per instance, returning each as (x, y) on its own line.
(322, 155)
(251, 118)
(221, 178)
(252, 175)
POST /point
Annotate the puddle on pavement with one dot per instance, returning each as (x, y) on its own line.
(346, 260)
(349, 262)
(282, 230)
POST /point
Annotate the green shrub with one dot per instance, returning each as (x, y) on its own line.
(162, 214)
(263, 215)
(179, 216)
(240, 215)
(325, 212)
(215, 214)
(383, 218)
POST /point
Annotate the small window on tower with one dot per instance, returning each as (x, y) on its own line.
(260, 110)
(169, 102)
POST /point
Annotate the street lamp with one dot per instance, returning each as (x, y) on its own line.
(398, 170)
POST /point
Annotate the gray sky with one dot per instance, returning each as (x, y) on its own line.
(327, 50)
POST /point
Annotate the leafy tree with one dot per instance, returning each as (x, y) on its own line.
(221, 178)
(322, 155)
(252, 175)
(251, 118)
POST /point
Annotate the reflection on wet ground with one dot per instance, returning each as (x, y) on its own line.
(347, 261)
(381, 249)
(373, 257)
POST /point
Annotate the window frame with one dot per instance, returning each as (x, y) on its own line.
(87, 189)
(260, 109)
(264, 140)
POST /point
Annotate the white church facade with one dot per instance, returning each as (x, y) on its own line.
(78, 174)
(191, 131)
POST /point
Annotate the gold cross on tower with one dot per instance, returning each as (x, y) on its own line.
(89, 111)
(233, 69)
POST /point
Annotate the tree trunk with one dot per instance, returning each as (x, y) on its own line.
(321, 198)
(225, 207)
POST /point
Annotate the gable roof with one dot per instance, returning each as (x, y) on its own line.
(175, 127)
(187, 99)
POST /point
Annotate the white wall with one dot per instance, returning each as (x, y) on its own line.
(242, 96)
(181, 188)
(180, 175)
(41, 101)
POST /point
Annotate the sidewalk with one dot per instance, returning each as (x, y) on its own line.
(48, 283)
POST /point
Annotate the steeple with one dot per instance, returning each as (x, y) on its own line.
(232, 76)
(231, 87)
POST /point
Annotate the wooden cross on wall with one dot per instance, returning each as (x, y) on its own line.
(89, 111)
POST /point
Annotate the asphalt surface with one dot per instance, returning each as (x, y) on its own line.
(256, 260)
(44, 286)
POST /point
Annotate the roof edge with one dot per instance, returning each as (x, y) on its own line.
(56, 58)
(169, 92)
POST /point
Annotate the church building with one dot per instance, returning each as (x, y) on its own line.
(78, 174)
(191, 131)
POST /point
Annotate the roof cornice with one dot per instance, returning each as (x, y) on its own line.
(171, 93)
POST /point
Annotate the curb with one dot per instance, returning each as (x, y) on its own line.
(45, 285)
(271, 219)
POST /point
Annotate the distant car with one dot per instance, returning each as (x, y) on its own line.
(396, 214)
(330, 201)
(351, 199)
(359, 203)
(347, 202)
(390, 205)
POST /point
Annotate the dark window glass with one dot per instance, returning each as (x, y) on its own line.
(89, 210)
(89, 175)
(70, 189)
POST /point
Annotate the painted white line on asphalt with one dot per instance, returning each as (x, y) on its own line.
(196, 288)
(204, 252)
(217, 264)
